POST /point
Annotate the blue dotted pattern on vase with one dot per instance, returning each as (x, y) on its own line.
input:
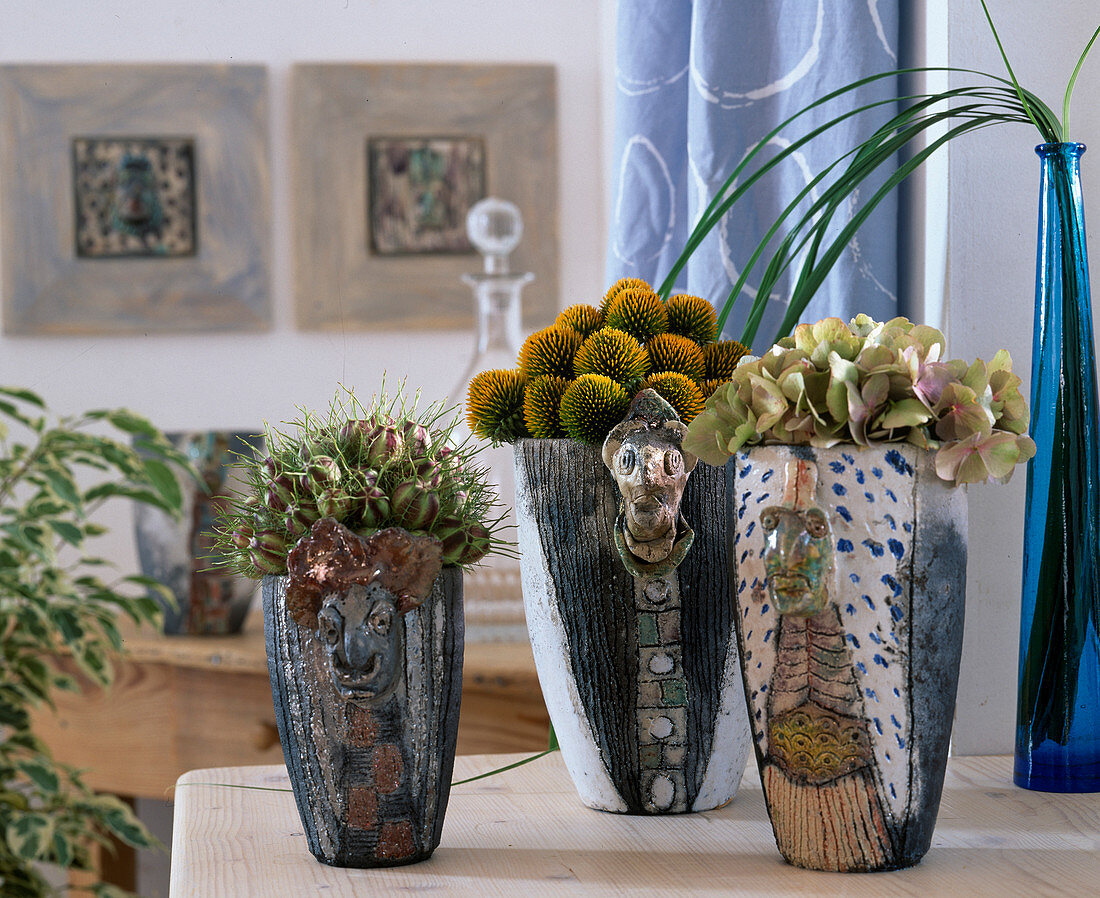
(868, 498)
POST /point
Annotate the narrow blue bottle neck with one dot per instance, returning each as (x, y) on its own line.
(1067, 152)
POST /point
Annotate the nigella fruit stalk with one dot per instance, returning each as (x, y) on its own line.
(1058, 716)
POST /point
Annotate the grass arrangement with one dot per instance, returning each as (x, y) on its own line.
(815, 230)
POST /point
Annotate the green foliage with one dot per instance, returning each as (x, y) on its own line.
(369, 468)
(813, 231)
(867, 382)
(54, 475)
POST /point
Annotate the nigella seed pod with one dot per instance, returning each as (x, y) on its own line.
(376, 507)
(446, 525)
(280, 493)
(266, 564)
(322, 472)
(301, 516)
(429, 472)
(335, 503)
(267, 551)
(478, 543)
(242, 535)
(382, 444)
(416, 437)
(415, 505)
(271, 468)
(454, 546)
(352, 434)
(447, 455)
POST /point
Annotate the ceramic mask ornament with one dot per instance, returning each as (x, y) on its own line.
(364, 637)
(798, 546)
(355, 592)
(645, 456)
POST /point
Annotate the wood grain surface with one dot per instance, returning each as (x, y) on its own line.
(184, 702)
(525, 832)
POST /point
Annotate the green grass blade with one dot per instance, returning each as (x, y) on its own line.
(836, 248)
(1051, 137)
(876, 151)
(1073, 81)
(835, 198)
(722, 202)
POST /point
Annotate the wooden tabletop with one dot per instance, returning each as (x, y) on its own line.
(183, 702)
(525, 833)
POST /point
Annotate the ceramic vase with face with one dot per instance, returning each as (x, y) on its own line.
(849, 576)
(624, 566)
(364, 647)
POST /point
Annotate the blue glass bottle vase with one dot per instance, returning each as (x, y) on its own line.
(1058, 712)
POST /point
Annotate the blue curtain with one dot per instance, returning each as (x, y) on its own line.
(697, 85)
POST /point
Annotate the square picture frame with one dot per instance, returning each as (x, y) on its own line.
(336, 109)
(198, 259)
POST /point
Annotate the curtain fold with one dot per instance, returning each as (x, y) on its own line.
(697, 85)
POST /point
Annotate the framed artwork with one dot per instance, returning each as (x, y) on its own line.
(419, 191)
(134, 199)
(386, 159)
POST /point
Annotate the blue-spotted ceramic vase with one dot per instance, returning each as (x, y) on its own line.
(849, 571)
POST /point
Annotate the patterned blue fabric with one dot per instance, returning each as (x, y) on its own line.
(697, 85)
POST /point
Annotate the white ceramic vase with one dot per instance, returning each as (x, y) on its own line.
(640, 675)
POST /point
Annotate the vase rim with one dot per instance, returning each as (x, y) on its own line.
(1049, 149)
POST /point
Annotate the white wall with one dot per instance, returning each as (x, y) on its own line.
(235, 381)
(222, 381)
(993, 219)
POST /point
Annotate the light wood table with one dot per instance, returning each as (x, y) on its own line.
(181, 702)
(524, 832)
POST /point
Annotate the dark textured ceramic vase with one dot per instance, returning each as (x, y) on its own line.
(637, 662)
(367, 705)
(850, 576)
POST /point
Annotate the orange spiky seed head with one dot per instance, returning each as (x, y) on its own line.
(692, 317)
(619, 286)
(584, 319)
(679, 391)
(542, 404)
(640, 313)
(707, 387)
(671, 352)
(613, 354)
(550, 351)
(591, 406)
(494, 405)
(721, 358)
